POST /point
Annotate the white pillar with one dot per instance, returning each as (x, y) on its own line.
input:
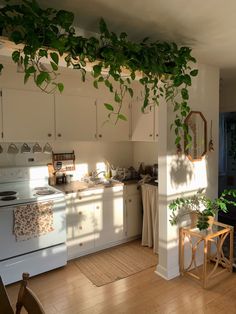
(177, 175)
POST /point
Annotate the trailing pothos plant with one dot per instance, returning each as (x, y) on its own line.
(46, 35)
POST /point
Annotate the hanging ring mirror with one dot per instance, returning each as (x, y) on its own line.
(197, 128)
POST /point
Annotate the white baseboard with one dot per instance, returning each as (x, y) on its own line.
(167, 275)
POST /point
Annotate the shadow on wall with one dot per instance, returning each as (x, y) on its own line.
(181, 171)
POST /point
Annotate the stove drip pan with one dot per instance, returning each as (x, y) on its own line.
(7, 193)
(8, 198)
(45, 192)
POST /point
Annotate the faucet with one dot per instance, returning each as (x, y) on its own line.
(95, 174)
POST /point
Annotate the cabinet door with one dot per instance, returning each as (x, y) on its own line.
(142, 123)
(80, 225)
(133, 216)
(27, 115)
(75, 118)
(111, 129)
(109, 221)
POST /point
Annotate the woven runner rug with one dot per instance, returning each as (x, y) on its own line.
(116, 263)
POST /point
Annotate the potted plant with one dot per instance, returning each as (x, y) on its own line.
(201, 206)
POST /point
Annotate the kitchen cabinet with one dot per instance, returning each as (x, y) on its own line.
(80, 224)
(109, 218)
(133, 211)
(27, 115)
(75, 118)
(144, 124)
(95, 220)
(109, 129)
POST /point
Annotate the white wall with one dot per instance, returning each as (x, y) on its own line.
(146, 152)
(228, 95)
(177, 175)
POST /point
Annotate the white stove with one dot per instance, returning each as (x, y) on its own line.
(37, 254)
(26, 191)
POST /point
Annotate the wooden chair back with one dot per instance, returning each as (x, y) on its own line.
(5, 305)
(27, 299)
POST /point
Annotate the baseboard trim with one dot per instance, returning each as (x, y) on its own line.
(167, 275)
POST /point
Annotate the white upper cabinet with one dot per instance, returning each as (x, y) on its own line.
(27, 115)
(75, 118)
(112, 129)
(144, 124)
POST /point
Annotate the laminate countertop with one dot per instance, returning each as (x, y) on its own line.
(79, 186)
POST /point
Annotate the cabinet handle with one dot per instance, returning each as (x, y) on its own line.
(81, 244)
(80, 227)
(80, 213)
(80, 197)
(100, 135)
(150, 135)
(97, 207)
(49, 134)
(130, 201)
(59, 134)
(157, 135)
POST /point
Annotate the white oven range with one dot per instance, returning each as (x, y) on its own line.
(38, 254)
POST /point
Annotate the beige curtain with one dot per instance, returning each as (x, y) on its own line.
(150, 216)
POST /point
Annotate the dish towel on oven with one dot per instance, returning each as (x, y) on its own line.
(32, 220)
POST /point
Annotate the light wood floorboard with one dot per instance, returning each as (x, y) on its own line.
(68, 291)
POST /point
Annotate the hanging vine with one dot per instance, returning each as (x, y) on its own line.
(46, 35)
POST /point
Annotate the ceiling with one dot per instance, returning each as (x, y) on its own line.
(209, 27)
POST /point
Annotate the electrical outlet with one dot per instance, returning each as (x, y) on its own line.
(30, 159)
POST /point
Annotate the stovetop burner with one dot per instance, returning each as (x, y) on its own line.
(7, 193)
(8, 198)
(45, 192)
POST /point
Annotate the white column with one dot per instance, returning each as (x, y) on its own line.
(177, 175)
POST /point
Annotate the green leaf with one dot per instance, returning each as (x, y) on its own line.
(54, 66)
(30, 70)
(54, 57)
(117, 98)
(122, 117)
(43, 53)
(109, 107)
(194, 72)
(95, 84)
(60, 87)
(15, 56)
(42, 77)
(26, 77)
(184, 93)
(97, 70)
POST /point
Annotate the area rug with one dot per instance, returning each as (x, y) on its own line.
(116, 263)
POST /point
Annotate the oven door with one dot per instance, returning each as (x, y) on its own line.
(9, 247)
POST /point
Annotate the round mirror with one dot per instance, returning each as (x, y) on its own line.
(197, 128)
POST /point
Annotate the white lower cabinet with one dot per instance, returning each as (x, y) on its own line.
(101, 218)
(133, 211)
(109, 218)
(95, 220)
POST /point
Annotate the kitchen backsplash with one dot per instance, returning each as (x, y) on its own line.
(89, 156)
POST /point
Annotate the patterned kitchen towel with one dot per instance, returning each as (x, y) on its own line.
(33, 220)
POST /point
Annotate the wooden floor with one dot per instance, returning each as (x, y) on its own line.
(67, 290)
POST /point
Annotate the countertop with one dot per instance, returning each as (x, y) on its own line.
(79, 186)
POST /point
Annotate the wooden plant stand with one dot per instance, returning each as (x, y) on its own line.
(214, 236)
